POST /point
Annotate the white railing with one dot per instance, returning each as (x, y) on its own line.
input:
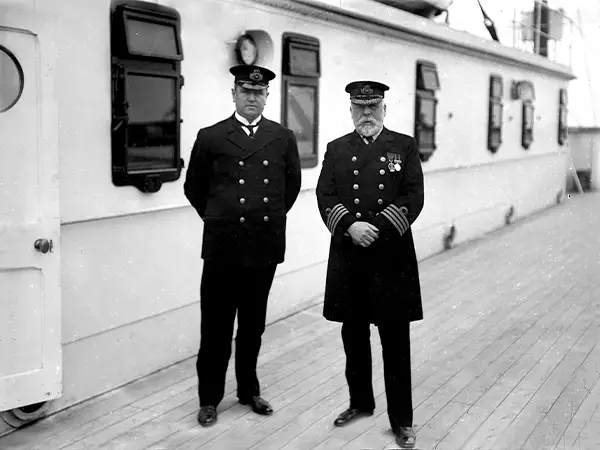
(559, 35)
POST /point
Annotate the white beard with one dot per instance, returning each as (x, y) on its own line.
(369, 129)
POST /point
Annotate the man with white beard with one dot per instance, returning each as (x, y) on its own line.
(369, 193)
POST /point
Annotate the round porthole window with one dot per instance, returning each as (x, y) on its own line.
(11, 80)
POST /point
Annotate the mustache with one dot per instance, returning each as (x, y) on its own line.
(368, 121)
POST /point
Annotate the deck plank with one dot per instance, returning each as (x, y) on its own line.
(507, 357)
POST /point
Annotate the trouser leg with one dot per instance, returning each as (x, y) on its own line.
(395, 342)
(252, 311)
(217, 306)
(356, 337)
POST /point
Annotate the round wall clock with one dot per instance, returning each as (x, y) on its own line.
(246, 50)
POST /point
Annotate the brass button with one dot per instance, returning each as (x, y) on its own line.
(266, 181)
(242, 200)
(266, 218)
(358, 215)
(381, 186)
(382, 159)
(265, 163)
(382, 172)
(380, 201)
(241, 163)
(356, 172)
(242, 181)
(356, 201)
(242, 220)
(355, 187)
(266, 200)
(354, 159)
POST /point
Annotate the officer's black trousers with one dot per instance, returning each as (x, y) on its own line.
(226, 289)
(395, 342)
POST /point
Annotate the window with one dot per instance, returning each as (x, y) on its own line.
(146, 95)
(301, 71)
(426, 108)
(562, 117)
(11, 80)
(527, 128)
(495, 113)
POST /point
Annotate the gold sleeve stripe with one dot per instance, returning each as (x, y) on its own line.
(396, 216)
(336, 215)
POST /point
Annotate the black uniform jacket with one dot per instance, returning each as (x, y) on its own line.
(242, 189)
(381, 183)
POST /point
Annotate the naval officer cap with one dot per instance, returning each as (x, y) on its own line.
(366, 92)
(252, 77)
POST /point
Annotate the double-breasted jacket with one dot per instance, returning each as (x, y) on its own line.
(380, 183)
(242, 188)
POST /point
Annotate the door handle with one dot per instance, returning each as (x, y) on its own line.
(43, 245)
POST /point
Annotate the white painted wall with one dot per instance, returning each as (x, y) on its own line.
(130, 261)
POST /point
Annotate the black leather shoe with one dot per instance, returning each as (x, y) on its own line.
(349, 415)
(207, 415)
(259, 405)
(405, 437)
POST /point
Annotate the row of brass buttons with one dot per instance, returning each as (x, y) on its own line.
(265, 163)
(243, 200)
(354, 159)
(357, 201)
(381, 187)
(265, 199)
(242, 219)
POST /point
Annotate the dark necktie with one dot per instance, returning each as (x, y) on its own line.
(250, 128)
(369, 139)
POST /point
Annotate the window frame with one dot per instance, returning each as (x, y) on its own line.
(495, 100)
(291, 41)
(162, 20)
(126, 63)
(17, 65)
(176, 87)
(563, 129)
(527, 132)
(424, 92)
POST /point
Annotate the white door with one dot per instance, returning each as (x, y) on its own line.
(30, 316)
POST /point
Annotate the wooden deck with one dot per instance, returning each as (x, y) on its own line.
(506, 358)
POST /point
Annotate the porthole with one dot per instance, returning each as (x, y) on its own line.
(11, 80)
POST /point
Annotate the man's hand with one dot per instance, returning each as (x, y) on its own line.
(363, 233)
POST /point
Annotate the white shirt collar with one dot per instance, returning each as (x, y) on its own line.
(375, 136)
(245, 121)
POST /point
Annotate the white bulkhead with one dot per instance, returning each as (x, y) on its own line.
(129, 261)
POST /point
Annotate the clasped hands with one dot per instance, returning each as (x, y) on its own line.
(363, 233)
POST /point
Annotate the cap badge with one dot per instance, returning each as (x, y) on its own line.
(256, 75)
(366, 90)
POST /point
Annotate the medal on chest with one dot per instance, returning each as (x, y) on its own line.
(394, 162)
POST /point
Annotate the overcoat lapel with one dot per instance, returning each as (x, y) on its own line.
(264, 135)
(379, 148)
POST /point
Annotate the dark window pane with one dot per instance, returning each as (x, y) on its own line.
(563, 116)
(304, 61)
(495, 138)
(429, 78)
(151, 131)
(528, 116)
(153, 157)
(496, 88)
(563, 96)
(427, 111)
(151, 98)
(426, 139)
(151, 38)
(301, 115)
(496, 115)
